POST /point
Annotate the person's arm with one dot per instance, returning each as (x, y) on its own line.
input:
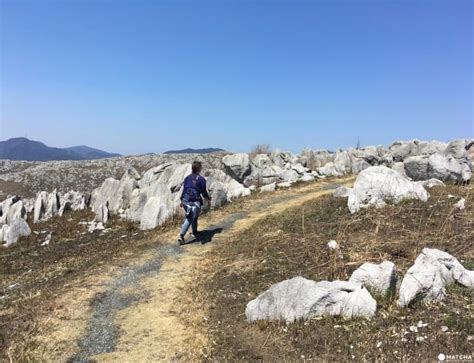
(203, 188)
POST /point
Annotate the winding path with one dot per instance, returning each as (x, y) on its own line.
(135, 318)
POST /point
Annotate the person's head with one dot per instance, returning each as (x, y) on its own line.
(196, 167)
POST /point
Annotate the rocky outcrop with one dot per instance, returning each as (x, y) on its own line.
(268, 188)
(299, 298)
(223, 188)
(331, 169)
(73, 201)
(439, 166)
(378, 184)
(11, 209)
(237, 166)
(11, 233)
(115, 193)
(381, 278)
(47, 205)
(102, 214)
(155, 212)
(427, 279)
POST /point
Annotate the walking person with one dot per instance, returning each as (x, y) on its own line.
(194, 188)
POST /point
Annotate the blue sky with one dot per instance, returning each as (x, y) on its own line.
(148, 76)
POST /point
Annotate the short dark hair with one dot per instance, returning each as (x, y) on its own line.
(197, 166)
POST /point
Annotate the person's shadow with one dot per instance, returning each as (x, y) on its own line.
(206, 236)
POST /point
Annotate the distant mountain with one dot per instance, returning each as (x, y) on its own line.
(21, 148)
(195, 151)
(89, 153)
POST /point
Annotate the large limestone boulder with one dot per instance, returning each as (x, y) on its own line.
(10, 233)
(47, 205)
(458, 148)
(153, 174)
(370, 154)
(224, 188)
(116, 193)
(299, 298)
(380, 278)
(400, 150)
(378, 184)
(128, 183)
(331, 169)
(264, 176)
(102, 214)
(399, 167)
(358, 165)
(343, 161)
(427, 279)
(107, 194)
(173, 177)
(155, 213)
(444, 167)
(237, 165)
(11, 209)
(260, 161)
(430, 147)
(141, 196)
(268, 188)
(283, 159)
(300, 169)
(315, 159)
(73, 201)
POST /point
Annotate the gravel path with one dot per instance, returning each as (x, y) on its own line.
(103, 333)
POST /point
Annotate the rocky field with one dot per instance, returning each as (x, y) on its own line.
(61, 221)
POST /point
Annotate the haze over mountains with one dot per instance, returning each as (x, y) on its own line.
(195, 151)
(21, 148)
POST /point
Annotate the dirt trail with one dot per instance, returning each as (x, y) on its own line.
(137, 316)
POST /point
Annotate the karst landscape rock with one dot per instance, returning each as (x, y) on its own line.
(145, 192)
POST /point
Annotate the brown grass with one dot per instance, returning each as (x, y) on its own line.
(293, 243)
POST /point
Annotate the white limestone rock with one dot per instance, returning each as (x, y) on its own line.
(299, 298)
(11, 209)
(460, 204)
(427, 279)
(223, 188)
(343, 161)
(237, 165)
(102, 214)
(381, 278)
(358, 165)
(400, 168)
(430, 183)
(154, 214)
(268, 188)
(331, 169)
(73, 201)
(378, 184)
(11, 233)
(260, 161)
(444, 167)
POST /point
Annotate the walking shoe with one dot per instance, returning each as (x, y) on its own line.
(195, 234)
(181, 240)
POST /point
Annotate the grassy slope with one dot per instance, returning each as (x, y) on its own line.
(294, 243)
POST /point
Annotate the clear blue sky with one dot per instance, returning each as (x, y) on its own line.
(147, 76)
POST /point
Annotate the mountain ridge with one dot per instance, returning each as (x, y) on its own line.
(195, 151)
(21, 148)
